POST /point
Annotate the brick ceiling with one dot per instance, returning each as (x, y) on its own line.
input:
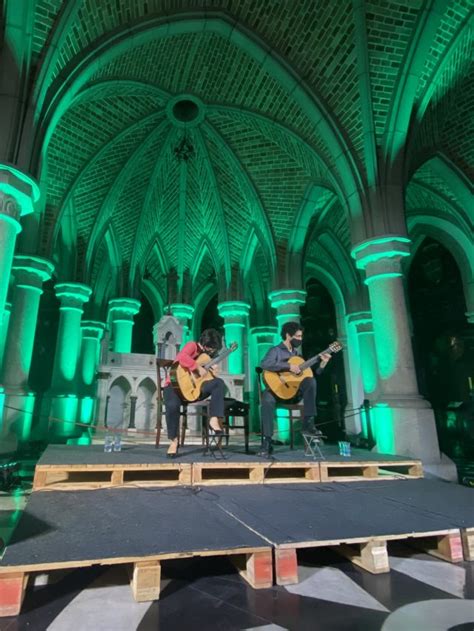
(111, 158)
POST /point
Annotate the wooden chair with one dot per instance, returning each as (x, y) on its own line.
(233, 409)
(291, 407)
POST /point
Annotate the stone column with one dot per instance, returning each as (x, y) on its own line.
(92, 333)
(4, 321)
(287, 303)
(183, 313)
(30, 272)
(361, 355)
(122, 311)
(235, 314)
(261, 339)
(404, 421)
(18, 192)
(64, 400)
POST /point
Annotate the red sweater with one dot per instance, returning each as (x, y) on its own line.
(187, 357)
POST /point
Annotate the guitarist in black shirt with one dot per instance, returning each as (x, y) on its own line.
(276, 360)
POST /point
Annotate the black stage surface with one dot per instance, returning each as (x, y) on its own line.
(121, 523)
(148, 454)
(61, 527)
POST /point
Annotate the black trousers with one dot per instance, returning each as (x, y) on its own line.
(214, 388)
(307, 392)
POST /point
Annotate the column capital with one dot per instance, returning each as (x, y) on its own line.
(234, 311)
(72, 295)
(381, 257)
(261, 333)
(16, 185)
(92, 329)
(362, 320)
(287, 303)
(282, 297)
(123, 308)
(181, 310)
(359, 317)
(31, 271)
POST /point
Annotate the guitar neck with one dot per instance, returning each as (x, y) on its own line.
(312, 360)
(216, 360)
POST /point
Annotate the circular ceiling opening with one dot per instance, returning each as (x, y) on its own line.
(185, 111)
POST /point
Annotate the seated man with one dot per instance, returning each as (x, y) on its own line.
(276, 360)
(210, 342)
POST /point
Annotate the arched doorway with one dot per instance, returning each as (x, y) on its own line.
(118, 409)
(318, 316)
(142, 336)
(210, 316)
(145, 419)
(443, 345)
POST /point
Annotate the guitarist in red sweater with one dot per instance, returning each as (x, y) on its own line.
(210, 342)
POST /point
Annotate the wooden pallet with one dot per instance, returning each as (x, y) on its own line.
(70, 477)
(370, 553)
(255, 565)
(74, 477)
(223, 472)
(356, 470)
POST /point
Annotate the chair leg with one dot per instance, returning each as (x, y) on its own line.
(292, 437)
(184, 427)
(246, 432)
(158, 433)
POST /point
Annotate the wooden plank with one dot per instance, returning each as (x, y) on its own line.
(12, 593)
(256, 474)
(77, 479)
(256, 568)
(286, 566)
(185, 475)
(59, 565)
(145, 581)
(371, 555)
(368, 470)
(447, 546)
(117, 477)
(467, 538)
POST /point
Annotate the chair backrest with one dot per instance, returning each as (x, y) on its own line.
(259, 372)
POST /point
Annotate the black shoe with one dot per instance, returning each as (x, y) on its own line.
(266, 449)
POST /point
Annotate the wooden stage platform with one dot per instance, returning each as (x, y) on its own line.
(88, 467)
(260, 527)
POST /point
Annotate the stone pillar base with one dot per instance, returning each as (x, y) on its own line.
(18, 415)
(63, 416)
(406, 427)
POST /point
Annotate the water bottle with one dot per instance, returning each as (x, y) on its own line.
(108, 443)
(117, 442)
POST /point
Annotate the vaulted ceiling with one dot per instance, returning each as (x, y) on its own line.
(270, 99)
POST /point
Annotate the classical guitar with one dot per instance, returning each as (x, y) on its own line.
(188, 384)
(285, 385)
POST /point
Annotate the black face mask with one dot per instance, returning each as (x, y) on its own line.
(295, 343)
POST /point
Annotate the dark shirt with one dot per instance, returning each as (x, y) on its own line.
(277, 358)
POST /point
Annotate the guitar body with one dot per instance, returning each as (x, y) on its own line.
(188, 384)
(285, 385)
